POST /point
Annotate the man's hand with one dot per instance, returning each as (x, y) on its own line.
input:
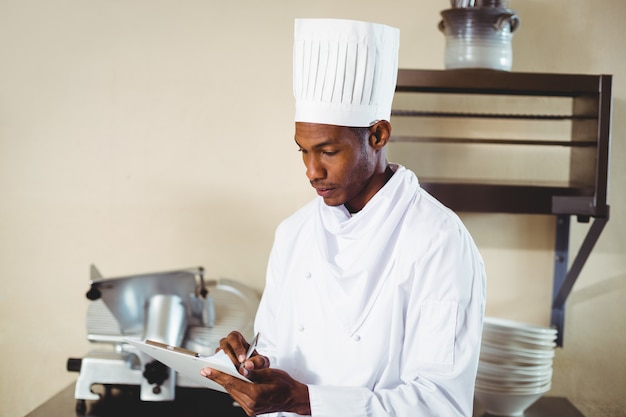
(236, 347)
(272, 390)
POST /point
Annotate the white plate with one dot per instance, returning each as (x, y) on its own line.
(515, 327)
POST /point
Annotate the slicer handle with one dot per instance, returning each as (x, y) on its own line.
(203, 290)
(74, 364)
(93, 293)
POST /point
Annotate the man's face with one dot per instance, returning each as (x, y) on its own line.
(339, 163)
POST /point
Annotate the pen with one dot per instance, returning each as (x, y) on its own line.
(251, 348)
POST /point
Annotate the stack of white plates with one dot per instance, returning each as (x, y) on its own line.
(515, 367)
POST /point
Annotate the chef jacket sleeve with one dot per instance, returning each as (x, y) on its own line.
(266, 313)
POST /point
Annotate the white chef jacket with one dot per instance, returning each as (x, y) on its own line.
(379, 313)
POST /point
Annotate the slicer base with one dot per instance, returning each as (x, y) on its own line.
(104, 367)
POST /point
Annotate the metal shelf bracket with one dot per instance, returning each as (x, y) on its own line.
(563, 279)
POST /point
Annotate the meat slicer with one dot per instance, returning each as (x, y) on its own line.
(178, 308)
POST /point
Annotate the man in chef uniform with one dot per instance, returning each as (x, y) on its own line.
(375, 291)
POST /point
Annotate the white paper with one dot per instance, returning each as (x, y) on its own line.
(189, 365)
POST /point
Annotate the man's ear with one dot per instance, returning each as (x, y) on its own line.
(380, 133)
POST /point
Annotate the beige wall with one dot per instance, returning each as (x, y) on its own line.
(154, 135)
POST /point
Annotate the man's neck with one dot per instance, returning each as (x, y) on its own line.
(383, 177)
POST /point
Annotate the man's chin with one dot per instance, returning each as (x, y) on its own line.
(333, 202)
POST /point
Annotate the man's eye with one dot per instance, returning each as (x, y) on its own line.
(329, 153)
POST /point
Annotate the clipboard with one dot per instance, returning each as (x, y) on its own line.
(189, 363)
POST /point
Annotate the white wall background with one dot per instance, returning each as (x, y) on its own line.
(154, 135)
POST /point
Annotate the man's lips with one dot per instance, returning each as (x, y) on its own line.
(323, 191)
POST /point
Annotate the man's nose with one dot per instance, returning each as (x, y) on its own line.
(314, 169)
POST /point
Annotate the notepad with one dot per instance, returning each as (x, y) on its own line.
(189, 363)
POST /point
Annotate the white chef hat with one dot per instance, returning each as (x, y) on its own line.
(344, 71)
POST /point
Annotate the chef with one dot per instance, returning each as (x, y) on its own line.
(375, 291)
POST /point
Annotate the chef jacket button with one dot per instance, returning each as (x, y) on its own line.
(307, 275)
(300, 328)
(356, 337)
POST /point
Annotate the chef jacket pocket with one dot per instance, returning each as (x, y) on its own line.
(436, 333)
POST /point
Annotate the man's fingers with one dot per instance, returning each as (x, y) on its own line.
(235, 346)
(221, 378)
(257, 362)
(237, 388)
(238, 344)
